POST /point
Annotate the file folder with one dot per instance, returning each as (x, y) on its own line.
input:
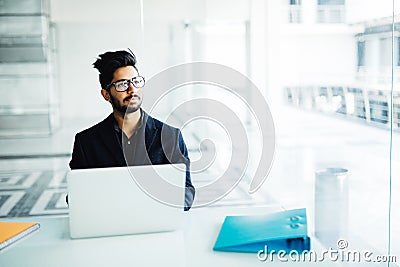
(285, 230)
(11, 232)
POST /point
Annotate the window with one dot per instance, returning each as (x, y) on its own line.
(398, 50)
(295, 11)
(360, 53)
(295, 2)
(330, 2)
(331, 11)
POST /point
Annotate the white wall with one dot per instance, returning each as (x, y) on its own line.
(87, 28)
(298, 54)
(317, 58)
(164, 34)
(312, 54)
(365, 10)
(84, 30)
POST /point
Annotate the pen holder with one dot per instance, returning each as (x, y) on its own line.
(331, 205)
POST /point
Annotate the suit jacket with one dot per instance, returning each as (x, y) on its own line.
(99, 147)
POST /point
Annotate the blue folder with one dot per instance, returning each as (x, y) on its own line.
(284, 230)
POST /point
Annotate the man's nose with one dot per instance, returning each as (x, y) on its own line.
(131, 88)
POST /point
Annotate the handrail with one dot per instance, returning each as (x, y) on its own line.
(371, 105)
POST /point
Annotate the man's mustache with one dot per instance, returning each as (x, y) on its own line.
(128, 98)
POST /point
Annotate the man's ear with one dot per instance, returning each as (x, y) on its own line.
(106, 95)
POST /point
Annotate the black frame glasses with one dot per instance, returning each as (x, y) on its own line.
(123, 84)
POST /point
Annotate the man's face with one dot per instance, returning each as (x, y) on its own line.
(130, 100)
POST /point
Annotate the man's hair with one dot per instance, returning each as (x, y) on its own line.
(109, 62)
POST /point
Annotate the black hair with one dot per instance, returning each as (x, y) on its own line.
(109, 62)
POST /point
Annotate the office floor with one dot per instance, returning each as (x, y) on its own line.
(32, 171)
(309, 141)
(42, 189)
(29, 193)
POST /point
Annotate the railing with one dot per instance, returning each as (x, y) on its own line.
(371, 105)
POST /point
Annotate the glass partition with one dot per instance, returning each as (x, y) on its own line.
(27, 60)
(325, 68)
(394, 230)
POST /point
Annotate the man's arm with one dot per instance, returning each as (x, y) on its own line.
(78, 160)
(189, 188)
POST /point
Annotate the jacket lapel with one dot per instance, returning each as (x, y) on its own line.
(151, 132)
(109, 138)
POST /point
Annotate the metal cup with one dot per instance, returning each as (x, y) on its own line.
(331, 205)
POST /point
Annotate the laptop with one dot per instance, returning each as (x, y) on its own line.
(126, 200)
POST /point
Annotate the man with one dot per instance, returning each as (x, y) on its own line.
(128, 136)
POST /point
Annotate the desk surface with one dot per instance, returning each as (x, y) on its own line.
(191, 246)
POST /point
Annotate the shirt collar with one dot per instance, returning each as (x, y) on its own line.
(141, 122)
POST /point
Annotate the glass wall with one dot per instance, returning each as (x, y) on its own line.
(27, 60)
(326, 71)
(395, 160)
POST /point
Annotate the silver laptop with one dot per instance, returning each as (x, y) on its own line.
(125, 200)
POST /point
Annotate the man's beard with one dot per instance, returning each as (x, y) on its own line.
(128, 108)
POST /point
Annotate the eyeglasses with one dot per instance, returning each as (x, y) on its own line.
(123, 85)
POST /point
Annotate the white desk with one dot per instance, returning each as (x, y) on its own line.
(192, 246)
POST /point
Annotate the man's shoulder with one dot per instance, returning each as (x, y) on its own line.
(95, 129)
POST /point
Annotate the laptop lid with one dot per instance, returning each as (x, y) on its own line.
(114, 201)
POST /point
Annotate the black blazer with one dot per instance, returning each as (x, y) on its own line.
(99, 147)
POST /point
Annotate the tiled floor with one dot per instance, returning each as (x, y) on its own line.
(42, 190)
(39, 191)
